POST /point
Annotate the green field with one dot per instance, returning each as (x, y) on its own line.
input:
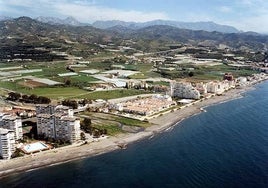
(112, 129)
(51, 92)
(71, 92)
(217, 72)
(111, 122)
(131, 122)
(58, 92)
(83, 78)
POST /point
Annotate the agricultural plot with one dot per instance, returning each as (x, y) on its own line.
(10, 68)
(31, 84)
(59, 93)
(90, 71)
(122, 73)
(68, 74)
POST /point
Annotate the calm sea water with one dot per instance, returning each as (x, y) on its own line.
(225, 147)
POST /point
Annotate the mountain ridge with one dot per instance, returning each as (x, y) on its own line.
(34, 32)
(57, 21)
(206, 26)
(202, 25)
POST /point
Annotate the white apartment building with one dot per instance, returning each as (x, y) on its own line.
(7, 143)
(12, 122)
(184, 90)
(58, 125)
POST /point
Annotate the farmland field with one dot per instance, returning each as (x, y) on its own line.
(31, 84)
(58, 92)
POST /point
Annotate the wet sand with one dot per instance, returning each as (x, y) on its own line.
(78, 151)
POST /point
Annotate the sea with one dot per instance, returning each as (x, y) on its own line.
(226, 146)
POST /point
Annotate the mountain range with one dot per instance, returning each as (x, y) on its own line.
(205, 26)
(149, 38)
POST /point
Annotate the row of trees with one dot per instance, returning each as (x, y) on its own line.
(74, 104)
(71, 103)
(28, 98)
(13, 96)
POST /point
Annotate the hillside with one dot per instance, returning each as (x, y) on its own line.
(84, 40)
(173, 34)
(29, 34)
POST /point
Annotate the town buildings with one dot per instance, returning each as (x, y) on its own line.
(57, 122)
(7, 143)
(144, 106)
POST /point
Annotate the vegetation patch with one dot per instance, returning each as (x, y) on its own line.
(131, 122)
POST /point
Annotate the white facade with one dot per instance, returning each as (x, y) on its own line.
(202, 88)
(12, 123)
(215, 87)
(61, 124)
(184, 90)
(220, 87)
(7, 143)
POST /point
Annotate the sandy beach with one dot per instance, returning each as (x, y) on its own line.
(78, 151)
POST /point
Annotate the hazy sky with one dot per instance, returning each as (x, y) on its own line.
(246, 15)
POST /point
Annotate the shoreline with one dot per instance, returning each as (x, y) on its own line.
(77, 151)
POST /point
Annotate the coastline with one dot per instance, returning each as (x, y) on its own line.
(78, 151)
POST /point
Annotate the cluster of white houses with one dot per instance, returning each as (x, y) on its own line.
(57, 122)
(10, 132)
(188, 91)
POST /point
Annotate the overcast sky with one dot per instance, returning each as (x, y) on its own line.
(246, 15)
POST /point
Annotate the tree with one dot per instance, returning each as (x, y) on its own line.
(67, 82)
(70, 103)
(84, 102)
(96, 133)
(105, 131)
(86, 125)
(14, 96)
(17, 153)
(33, 98)
(25, 98)
(83, 136)
(191, 74)
(43, 100)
